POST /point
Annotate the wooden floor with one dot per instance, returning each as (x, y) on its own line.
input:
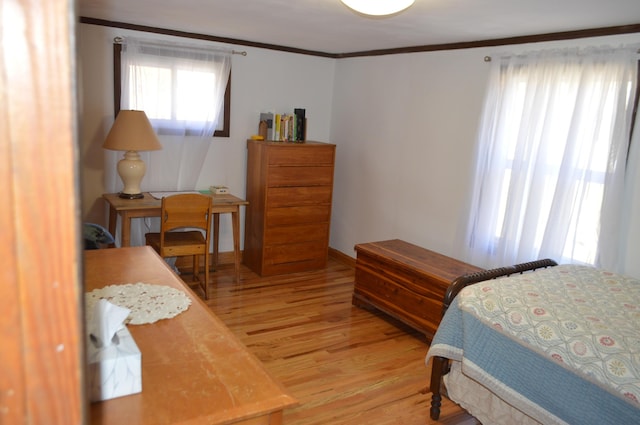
(344, 364)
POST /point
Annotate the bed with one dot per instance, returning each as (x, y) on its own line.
(558, 345)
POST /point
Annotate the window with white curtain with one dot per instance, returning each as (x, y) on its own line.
(551, 158)
(183, 89)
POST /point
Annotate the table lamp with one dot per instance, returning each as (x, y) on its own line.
(131, 132)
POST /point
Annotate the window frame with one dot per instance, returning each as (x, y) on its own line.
(117, 93)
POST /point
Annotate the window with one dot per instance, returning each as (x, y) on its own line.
(183, 90)
(551, 158)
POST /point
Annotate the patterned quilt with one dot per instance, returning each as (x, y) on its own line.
(562, 343)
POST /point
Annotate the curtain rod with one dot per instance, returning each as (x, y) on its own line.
(488, 58)
(120, 40)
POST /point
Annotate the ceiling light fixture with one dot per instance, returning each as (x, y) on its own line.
(378, 7)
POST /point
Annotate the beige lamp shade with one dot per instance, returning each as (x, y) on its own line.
(131, 132)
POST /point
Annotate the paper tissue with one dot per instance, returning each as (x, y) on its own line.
(113, 356)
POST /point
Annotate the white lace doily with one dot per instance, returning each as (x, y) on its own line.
(148, 303)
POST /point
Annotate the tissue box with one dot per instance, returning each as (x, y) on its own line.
(114, 370)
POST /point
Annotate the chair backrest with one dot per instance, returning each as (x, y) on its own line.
(186, 210)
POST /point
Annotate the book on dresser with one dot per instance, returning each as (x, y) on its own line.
(283, 127)
(289, 190)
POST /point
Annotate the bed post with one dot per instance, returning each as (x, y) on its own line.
(439, 368)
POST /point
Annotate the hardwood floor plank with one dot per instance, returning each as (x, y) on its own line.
(346, 365)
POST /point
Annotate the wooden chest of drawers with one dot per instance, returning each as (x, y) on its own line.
(289, 189)
(405, 281)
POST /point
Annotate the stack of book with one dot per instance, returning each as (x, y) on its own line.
(283, 127)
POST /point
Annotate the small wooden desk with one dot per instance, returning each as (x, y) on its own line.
(150, 207)
(194, 370)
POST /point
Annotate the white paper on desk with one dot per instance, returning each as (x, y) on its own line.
(160, 195)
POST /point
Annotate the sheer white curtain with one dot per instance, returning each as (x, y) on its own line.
(551, 157)
(181, 89)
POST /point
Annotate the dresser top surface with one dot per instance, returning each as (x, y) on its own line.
(290, 144)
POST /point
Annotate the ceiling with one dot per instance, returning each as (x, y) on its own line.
(330, 27)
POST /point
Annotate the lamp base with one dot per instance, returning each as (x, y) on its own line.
(130, 195)
(131, 170)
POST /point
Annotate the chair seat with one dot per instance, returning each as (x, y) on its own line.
(177, 244)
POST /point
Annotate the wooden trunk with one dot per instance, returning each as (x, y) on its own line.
(405, 281)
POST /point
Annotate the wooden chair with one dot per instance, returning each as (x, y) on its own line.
(190, 214)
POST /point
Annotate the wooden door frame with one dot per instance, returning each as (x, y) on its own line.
(41, 349)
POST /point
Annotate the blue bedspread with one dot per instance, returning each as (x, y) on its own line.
(566, 349)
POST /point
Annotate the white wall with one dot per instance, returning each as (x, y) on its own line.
(404, 126)
(264, 80)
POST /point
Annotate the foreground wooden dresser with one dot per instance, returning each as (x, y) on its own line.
(194, 369)
(405, 281)
(289, 189)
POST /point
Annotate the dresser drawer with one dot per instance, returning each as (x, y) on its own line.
(269, 269)
(296, 253)
(301, 155)
(300, 176)
(298, 215)
(298, 195)
(278, 235)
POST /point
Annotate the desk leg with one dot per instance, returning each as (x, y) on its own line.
(235, 218)
(216, 238)
(126, 229)
(113, 219)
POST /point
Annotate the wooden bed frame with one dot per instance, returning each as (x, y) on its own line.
(441, 366)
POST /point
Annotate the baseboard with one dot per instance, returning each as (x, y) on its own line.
(342, 257)
(184, 263)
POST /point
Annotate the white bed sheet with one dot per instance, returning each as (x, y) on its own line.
(481, 403)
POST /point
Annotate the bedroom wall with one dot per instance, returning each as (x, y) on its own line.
(404, 124)
(264, 80)
(405, 128)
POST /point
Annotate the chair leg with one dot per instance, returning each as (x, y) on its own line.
(196, 269)
(206, 276)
